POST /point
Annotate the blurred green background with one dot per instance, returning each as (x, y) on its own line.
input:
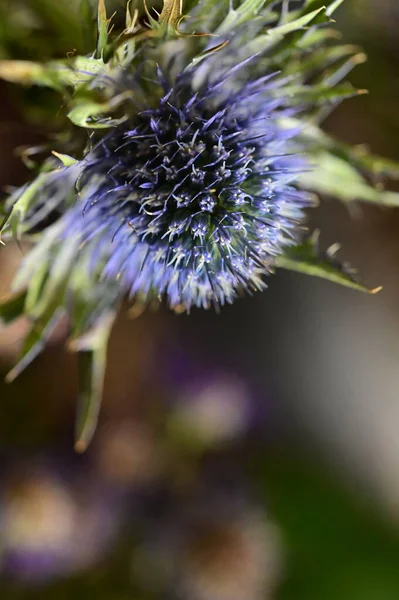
(252, 455)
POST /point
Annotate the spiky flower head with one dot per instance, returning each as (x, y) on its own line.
(190, 186)
(192, 198)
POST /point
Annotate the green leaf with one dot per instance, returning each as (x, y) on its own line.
(378, 166)
(79, 70)
(321, 94)
(22, 201)
(295, 24)
(92, 355)
(35, 285)
(235, 17)
(319, 37)
(12, 307)
(315, 63)
(35, 341)
(66, 160)
(92, 114)
(46, 277)
(333, 7)
(29, 73)
(357, 156)
(171, 14)
(308, 259)
(57, 75)
(22, 217)
(197, 59)
(330, 6)
(122, 50)
(209, 14)
(129, 18)
(102, 26)
(46, 270)
(168, 22)
(276, 35)
(339, 179)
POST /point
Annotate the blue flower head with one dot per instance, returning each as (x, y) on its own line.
(190, 199)
(190, 188)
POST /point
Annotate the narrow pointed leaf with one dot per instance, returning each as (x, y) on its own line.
(171, 13)
(200, 57)
(35, 342)
(276, 36)
(235, 17)
(308, 259)
(358, 156)
(66, 160)
(322, 94)
(91, 364)
(335, 177)
(294, 25)
(92, 355)
(102, 25)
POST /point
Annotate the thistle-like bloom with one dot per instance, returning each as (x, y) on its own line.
(193, 198)
(190, 188)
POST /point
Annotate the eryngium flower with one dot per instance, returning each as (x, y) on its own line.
(191, 198)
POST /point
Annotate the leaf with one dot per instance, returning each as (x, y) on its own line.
(35, 342)
(102, 26)
(209, 14)
(38, 195)
(339, 179)
(129, 19)
(294, 25)
(330, 6)
(321, 94)
(23, 200)
(172, 13)
(320, 59)
(79, 70)
(378, 166)
(45, 271)
(333, 7)
(357, 156)
(26, 72)
(197, 59)
(12, 307)
(308, 259)
(92, 354)
(66, 160)
(168, 22)
(319, 37)
(35, 285)
(46, 277)
(123, 52)
(87, 114)
(275, 35)
(57, 75)
(235, 17)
